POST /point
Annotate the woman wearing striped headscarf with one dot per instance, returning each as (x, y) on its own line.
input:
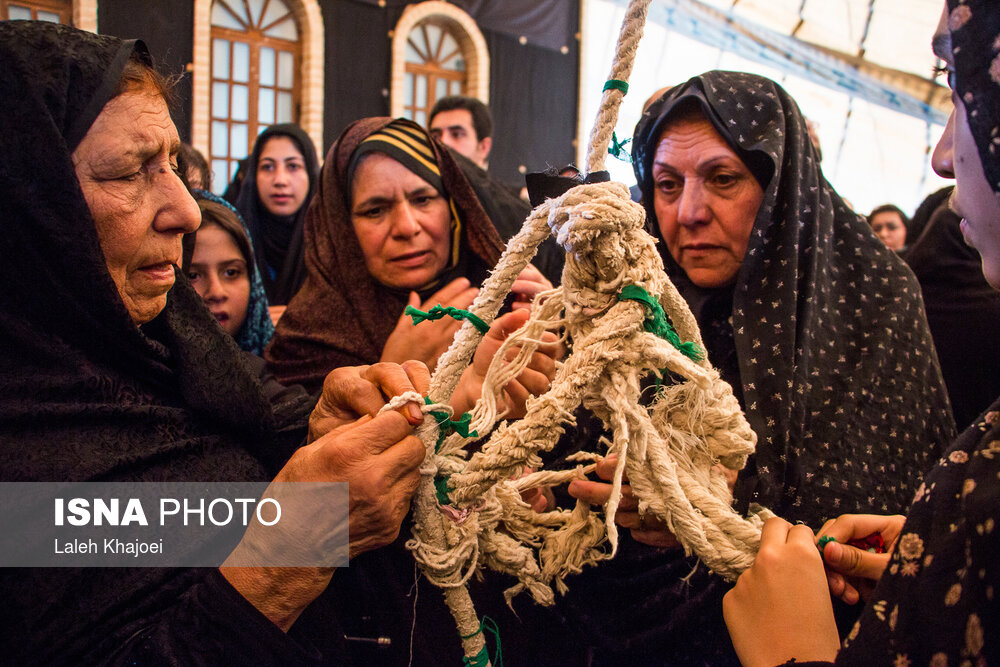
(396, 223)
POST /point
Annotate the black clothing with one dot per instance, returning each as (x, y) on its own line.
(824, 336)
(89, 396)
(963, 312)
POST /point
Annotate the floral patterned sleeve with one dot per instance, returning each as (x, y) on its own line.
(936, 604)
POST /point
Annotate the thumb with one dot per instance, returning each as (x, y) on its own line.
(414, 301)
(852, 561)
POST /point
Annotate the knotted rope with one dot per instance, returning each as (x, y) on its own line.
(625, 321)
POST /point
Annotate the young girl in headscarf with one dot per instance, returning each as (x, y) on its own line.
(219, 262)
(280, 182)
(936, 602)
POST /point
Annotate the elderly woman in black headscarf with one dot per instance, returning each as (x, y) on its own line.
(282, 171)
(935, 603)
(114, 373)
(817, 326)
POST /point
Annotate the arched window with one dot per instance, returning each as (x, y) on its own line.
(255, 63)
(437, 50)
(435, 68)
(54, 11)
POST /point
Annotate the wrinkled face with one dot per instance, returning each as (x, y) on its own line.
(219, 274)
(956, 156)
(282, 179)
(889, 227)
(455, 130)
(401, 221)
(705, 200)
(126, 168)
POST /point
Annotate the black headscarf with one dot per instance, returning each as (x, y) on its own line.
(839, 376)
(976, 51)
(86, 394)
(823, 335)
(277, 240)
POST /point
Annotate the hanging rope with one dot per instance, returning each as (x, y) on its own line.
(625, 321)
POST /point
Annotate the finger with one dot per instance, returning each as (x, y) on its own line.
(531, 272)
(401, 460)
(419, 374)
(851, 561)
(858, 526)
(802, 535)
(507, 324)
(463, 299)
(516, 394)
(530, 383)
(345, 391)
(448, 292)
(598, 493)
(595, 493)
(839, 587)
(405, 322)
(528, 288)
(775, 531)
(393, 380)
(365, 440)
(542, 364)
(606, 468)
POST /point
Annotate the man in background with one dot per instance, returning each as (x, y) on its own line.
(465, 125)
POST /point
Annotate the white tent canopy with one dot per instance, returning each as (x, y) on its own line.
(862, 70)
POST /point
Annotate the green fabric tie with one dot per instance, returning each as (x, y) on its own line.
(447, 425)
(441, 489)
(482, 658)
(616, 84)
(617, 148)
(439, 311)
(657, 323)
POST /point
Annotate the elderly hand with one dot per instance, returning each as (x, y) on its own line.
(430, 339)
(646, 529)
(527, 286)
(780, 607)
(534, 379)
(379, 458)
(851, 572)
(353, 391)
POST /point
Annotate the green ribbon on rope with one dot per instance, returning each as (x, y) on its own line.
(616, 84)
(656, 321)
(482, 658)
(617, 149)
(445, 426)
(441, 489)
(439, 311)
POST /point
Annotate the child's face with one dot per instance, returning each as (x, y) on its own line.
(219, 273)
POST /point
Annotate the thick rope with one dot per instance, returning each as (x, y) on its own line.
(607, 115)
(469, 512)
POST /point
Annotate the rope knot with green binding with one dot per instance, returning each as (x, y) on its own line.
(446, 426)
(657, 323)
(439, 311)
